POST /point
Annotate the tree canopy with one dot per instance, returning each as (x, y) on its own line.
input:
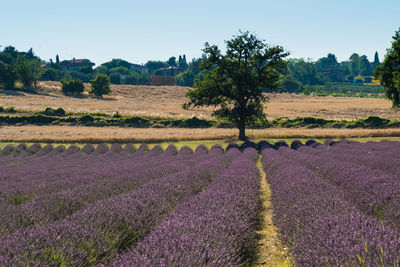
(234, 82)
(389, 71)
(100, 86)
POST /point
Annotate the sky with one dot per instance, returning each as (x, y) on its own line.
(138, 31)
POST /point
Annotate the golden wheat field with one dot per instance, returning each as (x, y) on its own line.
(166, 101)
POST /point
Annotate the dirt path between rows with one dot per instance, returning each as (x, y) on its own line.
(270, 250)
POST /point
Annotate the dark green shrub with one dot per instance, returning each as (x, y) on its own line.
(375, 121)
(85, 119)
(393, 124)
(54, 112)
(195, 122)
(117, 115)
(137, 121)
(11, 109)
(68, 119)
(40, 119)
(1, 109)
(74, 87)
(100, 86)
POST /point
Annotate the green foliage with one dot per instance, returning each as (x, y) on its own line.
(389, 72)
(6, 58)
(77, 75)
(117, 115)
(305, 72)
(117, 63)
(8, 76)
(120, 70)
(100, 86)
(85, 119)
(329, 67)
(87, 70)
(115, 78)
(185, 78)
(11, 109)
(172, 62)
(195, 122)
(19, 199)
(137, 121)
(306, 92)
(102, 70)
(289, 84)
(193, 73)
(54, 112)
(182, 62)
(153, 65)
(376, 60)
(49, 74)
(54, 116)
(24, 71)
(35, 66)
(138, 79)
(234, 82)
(74, 87)
(346, 89)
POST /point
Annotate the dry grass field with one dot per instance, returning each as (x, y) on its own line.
(166, 101)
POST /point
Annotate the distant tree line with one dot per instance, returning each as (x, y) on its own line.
(27, 68)
(24, 67)
(305, 74)
(302, 75)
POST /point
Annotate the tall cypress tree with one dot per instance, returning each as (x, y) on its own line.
(376, 61)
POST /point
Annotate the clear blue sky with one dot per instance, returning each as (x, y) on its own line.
(155, 30)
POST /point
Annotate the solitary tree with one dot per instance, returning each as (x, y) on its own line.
(100, 86)
(234, 82)
(389, 71)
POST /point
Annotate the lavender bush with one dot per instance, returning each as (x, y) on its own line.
(214, 228)
(109, 224)
(319, 223)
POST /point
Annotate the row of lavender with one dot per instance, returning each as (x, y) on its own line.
(367, 174)
(332, 206)
(86, 206)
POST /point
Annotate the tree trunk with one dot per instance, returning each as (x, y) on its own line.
(242, 130)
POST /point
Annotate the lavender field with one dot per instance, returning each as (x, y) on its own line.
(334, 204)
